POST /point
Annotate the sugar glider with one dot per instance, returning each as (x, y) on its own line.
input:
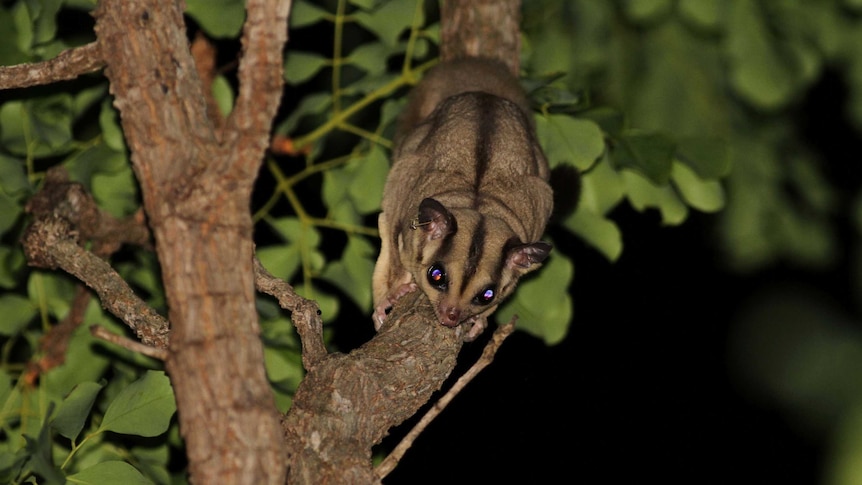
(467, 198)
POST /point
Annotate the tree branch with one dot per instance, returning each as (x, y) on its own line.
(304, 312)
(348, 403)
(64, 214)
(69, 64)
(133, 345)
(52, 242)
(391, 461)
(261, 79)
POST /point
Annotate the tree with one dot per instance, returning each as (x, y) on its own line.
(195, 133)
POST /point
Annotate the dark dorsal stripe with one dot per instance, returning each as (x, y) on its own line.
(484, 136)
(474, 252)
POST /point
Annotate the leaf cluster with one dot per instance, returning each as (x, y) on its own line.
(732, 81)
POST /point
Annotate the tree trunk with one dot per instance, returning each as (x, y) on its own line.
(196, 183)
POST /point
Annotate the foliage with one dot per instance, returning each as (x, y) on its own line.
(652, 101)
(710, 71)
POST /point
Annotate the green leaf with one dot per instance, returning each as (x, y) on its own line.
(17, 312)
(153, 461)
(5, 388)
(11, 263)
(542, 302)
(13, 178)
(359, 182)
(705, 14)
(118, 472)
(10, 51)
(760, 69)
(38, 127)
(329, 305)
(367, 84)
(651, 154)
(41, 458)
(83, 100)
(368, 176)
(117, 192)
(280, 368)
(566, 139)
(643, 11)
(808, 239)
(282, 260)
(82, 364)
(352, 274)
(44, 14)
(144, 408)
(708, 157)
(293, 230)
(610, 121)
(285, 372)
(343, 211)
(389, 20)
(219, 18)
(10, 210)
(95, 159)
(223, 94)
(602, 188)
(51, 123)
(600, 232)
(300, 66)
(277, 330)
(74, 410)
(313, 104)
(644, 194)
(23, 26)
(371, 57)
(365, 4)
(11, 465)
(389, 111)
(110, 125)
(51, 291)
(703, 195)
(303, 13)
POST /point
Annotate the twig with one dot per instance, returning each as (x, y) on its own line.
(129, 344)
(304, 312)
(51, 242)
(69, 64)
(261, 78)
(391, 461)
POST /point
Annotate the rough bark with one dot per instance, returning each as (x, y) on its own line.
(196, 184)
(481, 28)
